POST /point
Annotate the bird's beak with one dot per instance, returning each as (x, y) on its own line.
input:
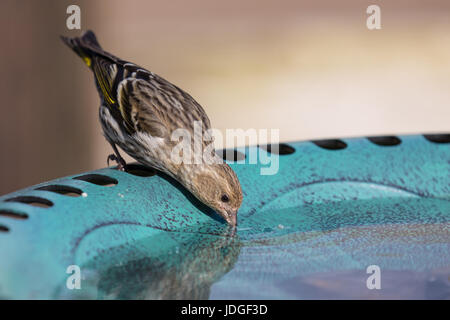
(231, 217)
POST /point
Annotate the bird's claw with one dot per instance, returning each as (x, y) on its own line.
(111, 157)
(121, 164)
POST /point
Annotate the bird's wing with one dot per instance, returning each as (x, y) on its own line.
(157, 107)
(138, 99)
(107, 75)
(138, 108)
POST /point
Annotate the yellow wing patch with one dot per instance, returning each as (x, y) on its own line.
(105, 81)
(87, 61)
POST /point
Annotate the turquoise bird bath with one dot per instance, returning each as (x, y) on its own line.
(334, 208)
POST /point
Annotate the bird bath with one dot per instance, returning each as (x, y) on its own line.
(334, 208)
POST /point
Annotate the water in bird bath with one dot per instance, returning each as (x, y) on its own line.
(321, 251)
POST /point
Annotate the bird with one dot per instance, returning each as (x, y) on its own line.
(139, 111)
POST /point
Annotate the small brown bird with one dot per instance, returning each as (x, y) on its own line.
(139, 110)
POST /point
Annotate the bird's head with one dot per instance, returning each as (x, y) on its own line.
(217, 186)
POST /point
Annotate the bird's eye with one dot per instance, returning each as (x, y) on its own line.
(225, 198)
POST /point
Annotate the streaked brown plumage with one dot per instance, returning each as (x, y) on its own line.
(139, 110)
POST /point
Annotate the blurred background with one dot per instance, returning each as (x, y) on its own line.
(309, 68)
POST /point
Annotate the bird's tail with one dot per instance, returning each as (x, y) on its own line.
(85, 46)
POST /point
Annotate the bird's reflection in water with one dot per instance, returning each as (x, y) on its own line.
(175, 266)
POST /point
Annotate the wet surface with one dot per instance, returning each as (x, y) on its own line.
(310, 231)
(301, 257)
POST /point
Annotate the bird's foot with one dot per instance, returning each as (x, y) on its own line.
(121, 164)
